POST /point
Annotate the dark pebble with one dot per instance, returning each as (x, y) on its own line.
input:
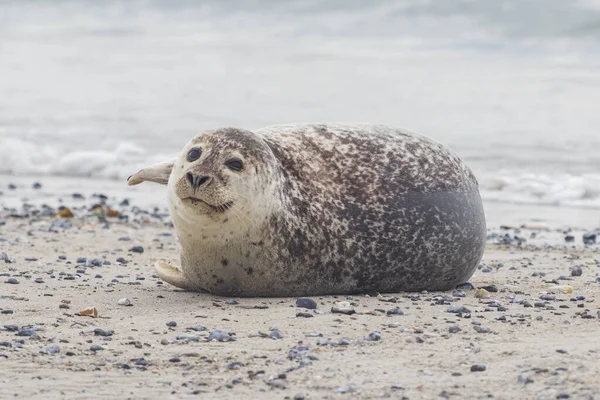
(197, 328)
(12, 281)
(576, 271)
(121, 260)
(458, 310)
(459, 293)
(171, 324)
(11, 186)
(465, 286)
(137, 249)
(96, 347)
(454, 329)
(38, 280)
(304, 315)
(563, 395)
(11, 328)
(395, 311)
(81, 260)
(477, 368)
(220, 336)
(7, 312)
(490, 288)
(174, 359)
(102, 332)
(305, 302)
(275, 334)
(373, 336)
(569, 238)
(36, 185)
(481, 329)
(53, 349)
(26, 332)
(589, 238)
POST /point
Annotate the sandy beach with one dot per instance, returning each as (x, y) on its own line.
(532, 334)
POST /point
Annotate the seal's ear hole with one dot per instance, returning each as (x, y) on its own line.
(234, 164)
(194, 154)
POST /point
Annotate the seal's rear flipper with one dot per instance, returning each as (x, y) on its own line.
(172, 275)
(158, 173)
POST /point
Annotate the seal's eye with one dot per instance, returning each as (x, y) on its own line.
(235, 164)
(193, 154)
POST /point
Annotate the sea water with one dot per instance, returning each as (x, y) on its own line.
(95, 90)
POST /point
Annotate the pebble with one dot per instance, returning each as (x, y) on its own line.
(459, 293)
(482, 294)
(458, 310)
(197, 328)
(569, 238)
(275, 334)
(12, 281)
(589, 238)
(171, 324)
(11, 328)
(343, 307)
(304, 315)
(563, 395)
(53, 349)
(576, 271)
(373, 336)
(102, 332)
(490, 288)
(137, 249)
(481, 329)
(96, 347)
(125, 302)
(81, 260)
(188, 337)
(395, 311)
(305, 302)
(465, 286)
(453, 329)
(478, 368)
(26, 332)
(299, 396)
(220, 336)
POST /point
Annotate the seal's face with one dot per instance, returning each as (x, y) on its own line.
(222, 172)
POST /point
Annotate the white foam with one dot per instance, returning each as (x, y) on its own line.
(29, 158)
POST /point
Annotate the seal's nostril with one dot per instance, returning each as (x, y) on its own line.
(190, 178)
(196, 180)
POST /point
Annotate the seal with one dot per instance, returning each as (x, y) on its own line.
(315, 209)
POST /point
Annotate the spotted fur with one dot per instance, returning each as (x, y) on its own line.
(328, 209)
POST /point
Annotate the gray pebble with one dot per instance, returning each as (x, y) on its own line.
(188, 337)
(102, 332)
(26, 332)
(12, 281)
(576, 271)
(465, 286)
(458, 310)
(197, 328)
(171, 324)
(481, 329)
(373, 336)
(53, 349)
(395, 311)
(96, 347)
(137, 249)
(305, 302)
(275, 334)
(220, 336)
(453, 329)
(478, 368)
(11, 328)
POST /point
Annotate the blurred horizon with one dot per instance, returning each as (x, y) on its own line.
(102, 88)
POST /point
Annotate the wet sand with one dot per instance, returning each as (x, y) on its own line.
(533, 340)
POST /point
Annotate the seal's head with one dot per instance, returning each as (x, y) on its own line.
(222, 171)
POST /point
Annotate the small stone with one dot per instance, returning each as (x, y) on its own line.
(478, 368)
(395, 311)
(12, 281)
(26, 332)
(137, 249)
(53, 349)
(11, 328)
(453, 329)
(465, 286)
(174, 359)
(458, 310)
(188, 337)
(275, 334)
(490, 288)
(299, 396)
(36, 185)
(343, 307)
(482, 294)
(125, 302)
(563, 395)
(589, 238)
(171, 324)
(576, 271)
(373, 336)
(304, 315)
(481, 329)
(459, 293)
(102, 332)
(121, 260)
(81, 260)
(305, 302)
(96, 347)
(220, 336)
(569, 238)
(197, 328)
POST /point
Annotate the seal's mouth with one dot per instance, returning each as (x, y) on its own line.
(219, 208)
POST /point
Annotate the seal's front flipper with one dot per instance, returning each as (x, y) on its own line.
(172, 275)
(158, 173)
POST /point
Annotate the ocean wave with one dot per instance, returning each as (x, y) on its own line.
(25, 157)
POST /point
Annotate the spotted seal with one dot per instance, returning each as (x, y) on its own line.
(315, 209)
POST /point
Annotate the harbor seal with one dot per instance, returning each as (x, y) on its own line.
(316, 209)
